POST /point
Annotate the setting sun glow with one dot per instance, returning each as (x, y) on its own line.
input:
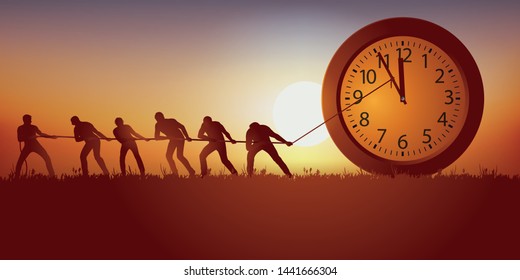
(297, 110)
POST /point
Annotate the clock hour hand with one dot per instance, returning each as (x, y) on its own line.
(401, 81)
(392, 78)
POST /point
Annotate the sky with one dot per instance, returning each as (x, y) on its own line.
(227, 59)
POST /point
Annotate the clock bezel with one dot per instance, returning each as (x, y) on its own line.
(380, 30)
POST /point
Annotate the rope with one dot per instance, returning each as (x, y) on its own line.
(348, 107)
(160, 139)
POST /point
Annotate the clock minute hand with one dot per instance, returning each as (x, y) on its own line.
(392, 78)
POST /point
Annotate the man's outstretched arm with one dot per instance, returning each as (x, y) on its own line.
(132, 131)
(99, 134)
(185, 132)
(279, 138)
(38, 131)
(226, 133)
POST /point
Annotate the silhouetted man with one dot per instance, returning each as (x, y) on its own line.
(125, 135)
(177, 133)
(27, 133)
(214, 132)
(258, 139)
(85, 131)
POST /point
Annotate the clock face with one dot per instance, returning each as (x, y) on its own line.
(402, 95)
(383, 125)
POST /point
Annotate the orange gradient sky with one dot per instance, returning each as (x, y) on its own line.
(225, 59)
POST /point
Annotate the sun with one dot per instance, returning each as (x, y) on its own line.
(297, 110)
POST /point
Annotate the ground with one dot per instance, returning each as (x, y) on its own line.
(314, 216)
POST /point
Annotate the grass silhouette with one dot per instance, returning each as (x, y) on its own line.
(133, 177)
(314, 215)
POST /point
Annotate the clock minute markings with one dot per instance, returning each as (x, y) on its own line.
(419, 150)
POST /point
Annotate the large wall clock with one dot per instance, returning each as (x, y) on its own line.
(408, 96)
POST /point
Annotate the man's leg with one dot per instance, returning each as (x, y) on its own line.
(23, 156)
(122, 157)
(169, 157)
(48, 163)
(182, 159)
(208, 149)
(222, 152)
(251, 158)
(99, 159)
(83, 157)
(274, 155)
(138, 159)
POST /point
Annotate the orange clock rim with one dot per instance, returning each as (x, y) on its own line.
(392, 27)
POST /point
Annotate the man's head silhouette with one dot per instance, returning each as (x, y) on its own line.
(119, 121)
(27, 119)
(74, 120)
(254, 125)
(159, 116)
(207, 119)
